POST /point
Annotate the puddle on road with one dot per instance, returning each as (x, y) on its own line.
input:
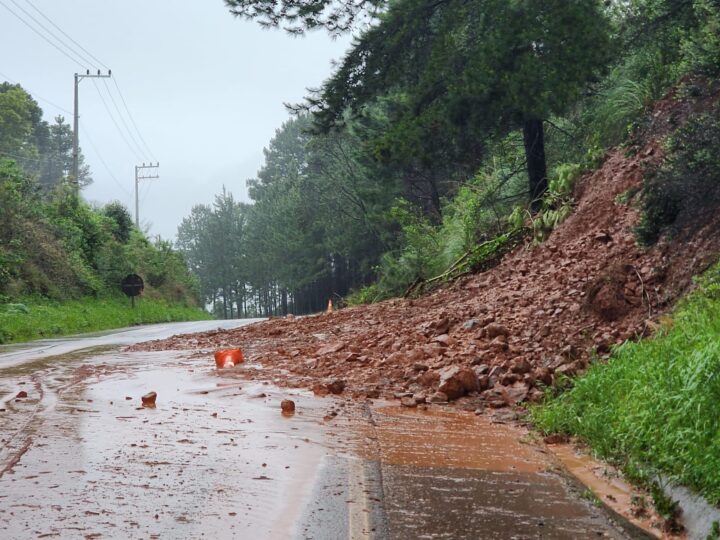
(452, 474)
(212, 459)
(437, 437)
(217, 458)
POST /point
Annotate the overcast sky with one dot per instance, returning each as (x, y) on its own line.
(205, 89)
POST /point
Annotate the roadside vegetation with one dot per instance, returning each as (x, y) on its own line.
(37, 317)
(62, 259)
(652, 408)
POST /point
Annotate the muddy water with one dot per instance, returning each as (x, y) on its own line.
(212, 459)
(80, 457)
(451, 474)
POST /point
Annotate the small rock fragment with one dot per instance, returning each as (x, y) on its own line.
(22, 394)
(408, 401)
(337, 386)
(438, 397)
(287, 406)
(148, 400)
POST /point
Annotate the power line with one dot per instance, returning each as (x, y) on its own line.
(104, 163)
(50, 32)
(15, 156)
(150, 153)
(122, 119)
(110, 114)
(74, 60)
(67, 36)
(35, 94)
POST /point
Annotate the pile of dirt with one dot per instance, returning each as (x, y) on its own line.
(499, 336)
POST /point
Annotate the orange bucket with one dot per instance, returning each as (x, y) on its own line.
(228, 358)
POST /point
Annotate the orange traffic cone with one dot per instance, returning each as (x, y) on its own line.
(228, 358)
(330, 309)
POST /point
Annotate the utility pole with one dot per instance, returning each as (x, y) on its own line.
(139, 168)
(76, 118)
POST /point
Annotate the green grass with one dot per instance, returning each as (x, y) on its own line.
(36, 318)
(655, 405)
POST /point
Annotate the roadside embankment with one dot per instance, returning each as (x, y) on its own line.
(35, 318)
(652, 408)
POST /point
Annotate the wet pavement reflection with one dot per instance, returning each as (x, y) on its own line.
(81, 457)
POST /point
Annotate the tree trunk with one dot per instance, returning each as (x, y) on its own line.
(534, 140)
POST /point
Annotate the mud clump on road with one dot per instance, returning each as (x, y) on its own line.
(501, 336)
(148, 400)
(287, 406)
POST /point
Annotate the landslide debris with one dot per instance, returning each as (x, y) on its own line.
(502, 335)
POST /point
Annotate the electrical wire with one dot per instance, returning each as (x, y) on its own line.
(122, 119)
(73, 60)
(144, 148)
(50, 32)
(150, 153)
(100, 63)
(35, 94)
(15, 156)
(104, 163)
(110, 114)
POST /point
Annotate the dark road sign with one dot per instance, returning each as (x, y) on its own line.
(132, 285)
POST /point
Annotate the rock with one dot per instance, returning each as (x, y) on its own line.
(566, 369)
(544, 375)
(603, 236)
(22, 394)
(337, 386)
(320, 390)
(438, 397)
(420, 367)
(429, 378)
(332, 348)
(469, 325)
(521, 366)
(408, 402)
(148, 400)
(420, 397)
(287, 406)
(443, 340)
(509, 378)
(556, 438)
(372, 393)
(483, 382)
(440, 327)
(494, 330)
(455, 382)
(570, 353)
(516, 393)
(499, 344)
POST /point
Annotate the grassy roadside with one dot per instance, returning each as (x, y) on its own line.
(654, 405)
(35, 318)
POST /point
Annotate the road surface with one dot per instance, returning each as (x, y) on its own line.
(81, 458)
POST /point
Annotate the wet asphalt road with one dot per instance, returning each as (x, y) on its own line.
(80, 458)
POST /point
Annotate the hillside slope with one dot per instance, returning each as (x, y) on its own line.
(540, 313)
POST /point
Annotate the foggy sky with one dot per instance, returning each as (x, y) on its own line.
(205, 89)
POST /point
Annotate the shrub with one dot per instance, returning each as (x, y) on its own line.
(684, 192)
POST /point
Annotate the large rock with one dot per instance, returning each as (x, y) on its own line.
(455, 382)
